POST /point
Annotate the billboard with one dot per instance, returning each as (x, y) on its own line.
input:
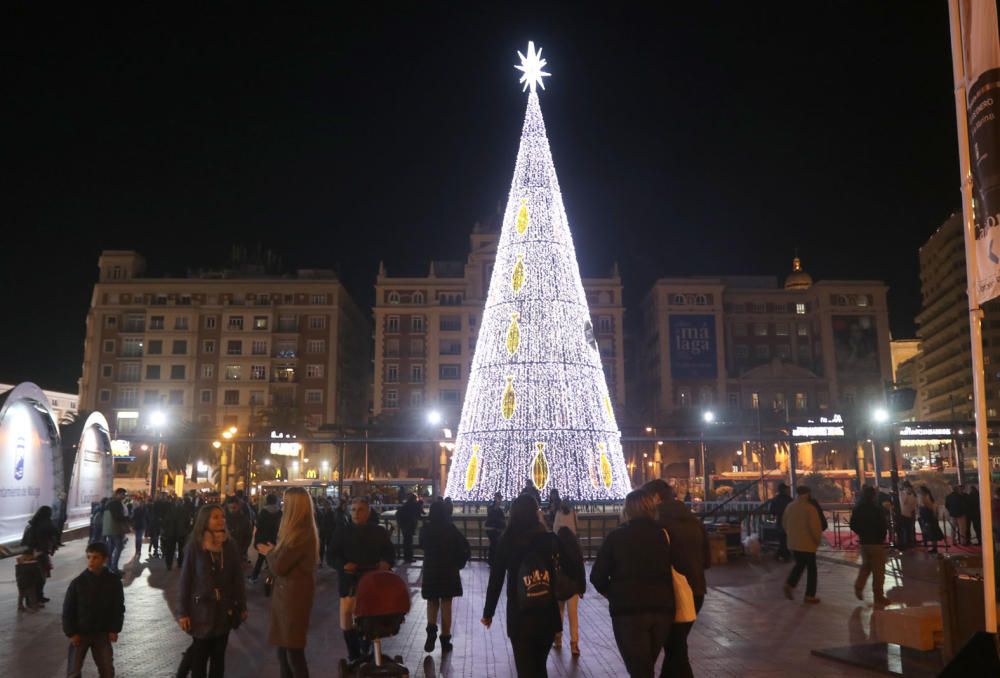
(692, 347)
(855, 344)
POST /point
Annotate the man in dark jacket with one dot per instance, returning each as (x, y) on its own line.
(359, 547)
(176, 529)
(972, 514)
(868, 522)
(689, 553)
(407, 518)
(268, 522)
(955, 503)
(93, 614)
(239, 526)
(496, 521)
(115, 528)
(778, 505)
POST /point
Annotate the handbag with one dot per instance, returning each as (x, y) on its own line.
(684, 610)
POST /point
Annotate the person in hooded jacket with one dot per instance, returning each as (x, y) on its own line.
(446, 551)
(407, 518)
(267, 531)
(689, 552)
(632, 571)
(42, 537)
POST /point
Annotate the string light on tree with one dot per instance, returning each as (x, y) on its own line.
(537, 406)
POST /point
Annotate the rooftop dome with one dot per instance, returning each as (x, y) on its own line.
(798, 279)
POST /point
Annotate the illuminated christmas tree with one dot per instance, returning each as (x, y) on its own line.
(537, 405)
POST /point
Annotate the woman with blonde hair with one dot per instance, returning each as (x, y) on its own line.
(293, 563)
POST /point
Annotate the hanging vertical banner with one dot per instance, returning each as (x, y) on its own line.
(981, 54)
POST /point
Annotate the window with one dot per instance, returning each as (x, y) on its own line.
(156, 322)
(418, 298)
(235, 322)
(449, 347)
(451, 323)
(155, 347)
(134, 322)
(739, 329)
(110, 321)
(472, 320)
(416, 398)
(392, 398)
(604, 323)
(181, 322)
(288, 323)
(677, 300)
(258, 372)
(285, 349)
(179, 347)
(700, 299)
(234, 372)
(260, 322)
(150, 397)
(314, 396)
(762, 352)
(127, 397)
(416, 374)
(176, 398)
(317, 322)
(152, 371)
(206, 396)
(109, 346)
(258, 347)
(741, 351)
(184, 300)
(781, 329)
(392, 323)
(416, 347)
(606, 346)
(129, 372)
(862, 300)
(105, 395)
(231, 397)
(755, 400)
(207, 371)
(779, 401)
(416, 323)
(392, 373)
(393, 297)
(107, 371)
(177, 372)
(801, 402)
(210, 322)
(734, 400)
(450, 397)
(450, 299)
(392, 347)
(802, 330)
(800, 309)
(315, 346)
(283, 373)
(760, 329)
(234, 347)
(448, 371)
(256, 397)
(314, 371)
(783, 351)
(317, 299)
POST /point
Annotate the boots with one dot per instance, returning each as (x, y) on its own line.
(353, 641)
(432, 632)
(446, 643)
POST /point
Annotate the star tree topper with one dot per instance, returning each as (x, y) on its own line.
(531, 67)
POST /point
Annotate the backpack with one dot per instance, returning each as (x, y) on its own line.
(535, 576)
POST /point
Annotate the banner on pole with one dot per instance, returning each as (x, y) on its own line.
(981, 54)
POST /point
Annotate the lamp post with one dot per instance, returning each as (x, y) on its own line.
(707, 417)
(229, 434)
(880, 417)
(435, 420)
(158, 421)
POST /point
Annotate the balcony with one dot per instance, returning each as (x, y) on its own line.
(288, 353)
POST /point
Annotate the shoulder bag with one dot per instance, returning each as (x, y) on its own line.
(684, 611)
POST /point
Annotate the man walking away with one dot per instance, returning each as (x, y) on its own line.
(496, 521)
(93, 613)
(238, 524)
(407, 518)
(955, 505)
(801, 523)
(115, 528)
(778, 505)
(972, 515)
(267, 530)
(868, 522)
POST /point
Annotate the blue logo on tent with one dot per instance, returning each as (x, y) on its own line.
(19, 460)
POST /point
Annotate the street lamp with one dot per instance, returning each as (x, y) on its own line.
(229, 434)
(880, 417)
(708, 416)
(434, 417)
(157, 421)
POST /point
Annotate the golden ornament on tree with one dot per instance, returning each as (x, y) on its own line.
(522, 217)
(605, 465)
(472, 471)
(607, 406)
(540, 467)
(517, 278)
(509, 400)
(513, 334)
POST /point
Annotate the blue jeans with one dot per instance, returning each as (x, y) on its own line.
(100, 647)
(115, 546)
(640, 637)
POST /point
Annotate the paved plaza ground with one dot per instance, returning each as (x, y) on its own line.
(746, 628)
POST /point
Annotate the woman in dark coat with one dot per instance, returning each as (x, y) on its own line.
(446, 552)
(293, 562)
(531, 630)
(212, 598)
(42, 537)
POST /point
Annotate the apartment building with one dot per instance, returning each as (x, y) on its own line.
(426, 329)
(219, 347)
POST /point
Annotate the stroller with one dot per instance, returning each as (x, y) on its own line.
(383, 600)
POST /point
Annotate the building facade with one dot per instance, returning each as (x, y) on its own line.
(740, 344)
(62, 404)
(217, 348)
(426, 329)
(944, 364)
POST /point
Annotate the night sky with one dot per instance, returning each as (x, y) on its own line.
(703, 139)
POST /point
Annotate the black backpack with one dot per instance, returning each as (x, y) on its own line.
(535, 575)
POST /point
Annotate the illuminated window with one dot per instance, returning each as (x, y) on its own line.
(234, 372)
(755, 400)
(800, 309)
(258, 372)
(260, 322)
(801, 402)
